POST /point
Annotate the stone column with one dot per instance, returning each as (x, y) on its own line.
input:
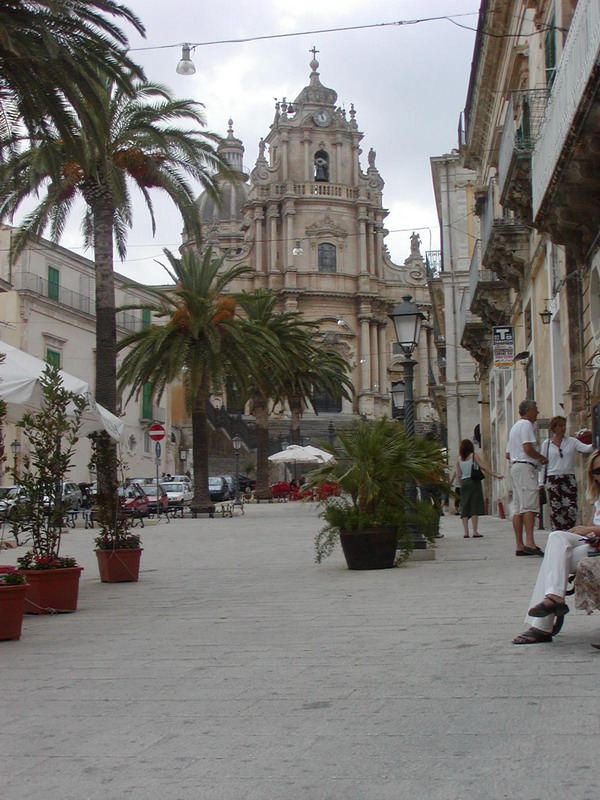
(273, 215)
(379, 249)
(258, 238)
(288, 211)
(383, 358)
(362, 240)
(370, 258)
(339, 177)
(284, 155)
(374, 358)
(365, 341)
(308, 174)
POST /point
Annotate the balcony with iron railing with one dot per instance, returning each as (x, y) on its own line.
(433, 263)
(29, 282)
(573, 88)
(522, 123)
(504, 239)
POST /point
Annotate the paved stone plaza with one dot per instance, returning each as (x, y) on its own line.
(237, 669)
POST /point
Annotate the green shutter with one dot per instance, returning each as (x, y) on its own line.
(53, 283)
(145, 318)
(53, 358)
(146, 402)
(550, 51)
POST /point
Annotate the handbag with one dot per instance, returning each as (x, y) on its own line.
(476, 472)
(543, 493)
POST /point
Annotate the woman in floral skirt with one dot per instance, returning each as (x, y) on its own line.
(559, 477)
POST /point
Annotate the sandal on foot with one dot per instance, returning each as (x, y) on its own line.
(533, 551)
(532, 636)
(466, 536)
(597, 646)
(523, 553)
(544, 610)
(478, 535)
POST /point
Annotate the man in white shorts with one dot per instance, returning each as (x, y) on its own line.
(524, 458)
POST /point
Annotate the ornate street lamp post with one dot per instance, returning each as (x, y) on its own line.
(407, 321)
(15, 447)
(237, 443)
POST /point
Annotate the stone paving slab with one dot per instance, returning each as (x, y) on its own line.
(238, 669)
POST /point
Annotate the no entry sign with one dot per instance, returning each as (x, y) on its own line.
(156, 432)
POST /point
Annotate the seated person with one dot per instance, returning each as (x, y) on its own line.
(564, 551)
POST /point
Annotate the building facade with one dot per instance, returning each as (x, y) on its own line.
(310, 221)
(530, 134)
(47, 309)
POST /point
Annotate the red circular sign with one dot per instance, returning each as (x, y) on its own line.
(156, 432)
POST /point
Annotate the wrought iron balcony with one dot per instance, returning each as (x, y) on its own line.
(433, 263)
(490, 296)
(504, 240)
(573, 93)
(29, 282)
(521, 129)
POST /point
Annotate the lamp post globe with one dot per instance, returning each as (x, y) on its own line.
(407, 321)
(15, 446)
(236, 441)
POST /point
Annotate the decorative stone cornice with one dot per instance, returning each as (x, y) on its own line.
(507, 251)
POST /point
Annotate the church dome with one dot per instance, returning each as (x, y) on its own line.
(315, 93)
(233, 195)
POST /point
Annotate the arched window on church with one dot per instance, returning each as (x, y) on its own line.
(327, 257)
(321, 165)
(324, 403)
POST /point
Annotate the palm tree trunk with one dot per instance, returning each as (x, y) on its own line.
(201, 502)
(261, 416)
(106, 327)
(295, 404)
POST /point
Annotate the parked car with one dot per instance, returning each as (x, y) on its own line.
(230, 479)
(218, 488)
(9, 497)
(179, 494)
(142, 481)
(134, 499)
(150, 491)
(168, 478)
(71, 496)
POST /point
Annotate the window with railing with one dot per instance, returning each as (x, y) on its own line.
(550, 51)
(53, 283)
(146, 401)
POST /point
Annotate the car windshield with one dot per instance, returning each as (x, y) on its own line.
(6, 491)
(214, 482)
(149, 489)
(174, 487)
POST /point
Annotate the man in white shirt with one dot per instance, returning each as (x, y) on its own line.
(524, 459)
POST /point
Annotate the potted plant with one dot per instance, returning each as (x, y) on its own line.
(373, 462)
(12, 602)
(52, 579)
(117, 549)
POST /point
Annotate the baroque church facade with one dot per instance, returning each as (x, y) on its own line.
(310, 221)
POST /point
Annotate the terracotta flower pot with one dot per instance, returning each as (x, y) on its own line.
(51, 591)
(12, 605)
(119, 566)
(370, 548)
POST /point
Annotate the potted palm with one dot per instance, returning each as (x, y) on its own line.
(52, 579)
(117, 549)
(372, 517)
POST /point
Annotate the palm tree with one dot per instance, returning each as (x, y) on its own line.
(287, 371)
(52, 55)
(134, 142)
(203, 342)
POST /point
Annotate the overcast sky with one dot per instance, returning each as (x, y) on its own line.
(408, 85)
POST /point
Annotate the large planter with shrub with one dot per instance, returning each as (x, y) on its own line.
(52, 591)
(12, 604)
(374, 515)
(119, 565)
(370, 548)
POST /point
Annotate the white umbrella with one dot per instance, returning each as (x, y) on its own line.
(20, 388)
(304, 455)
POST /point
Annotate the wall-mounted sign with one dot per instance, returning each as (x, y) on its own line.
(503, 343)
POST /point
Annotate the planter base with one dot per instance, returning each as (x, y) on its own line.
(12, 605)
(119, 566)
(52, 591)
(370, 548)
